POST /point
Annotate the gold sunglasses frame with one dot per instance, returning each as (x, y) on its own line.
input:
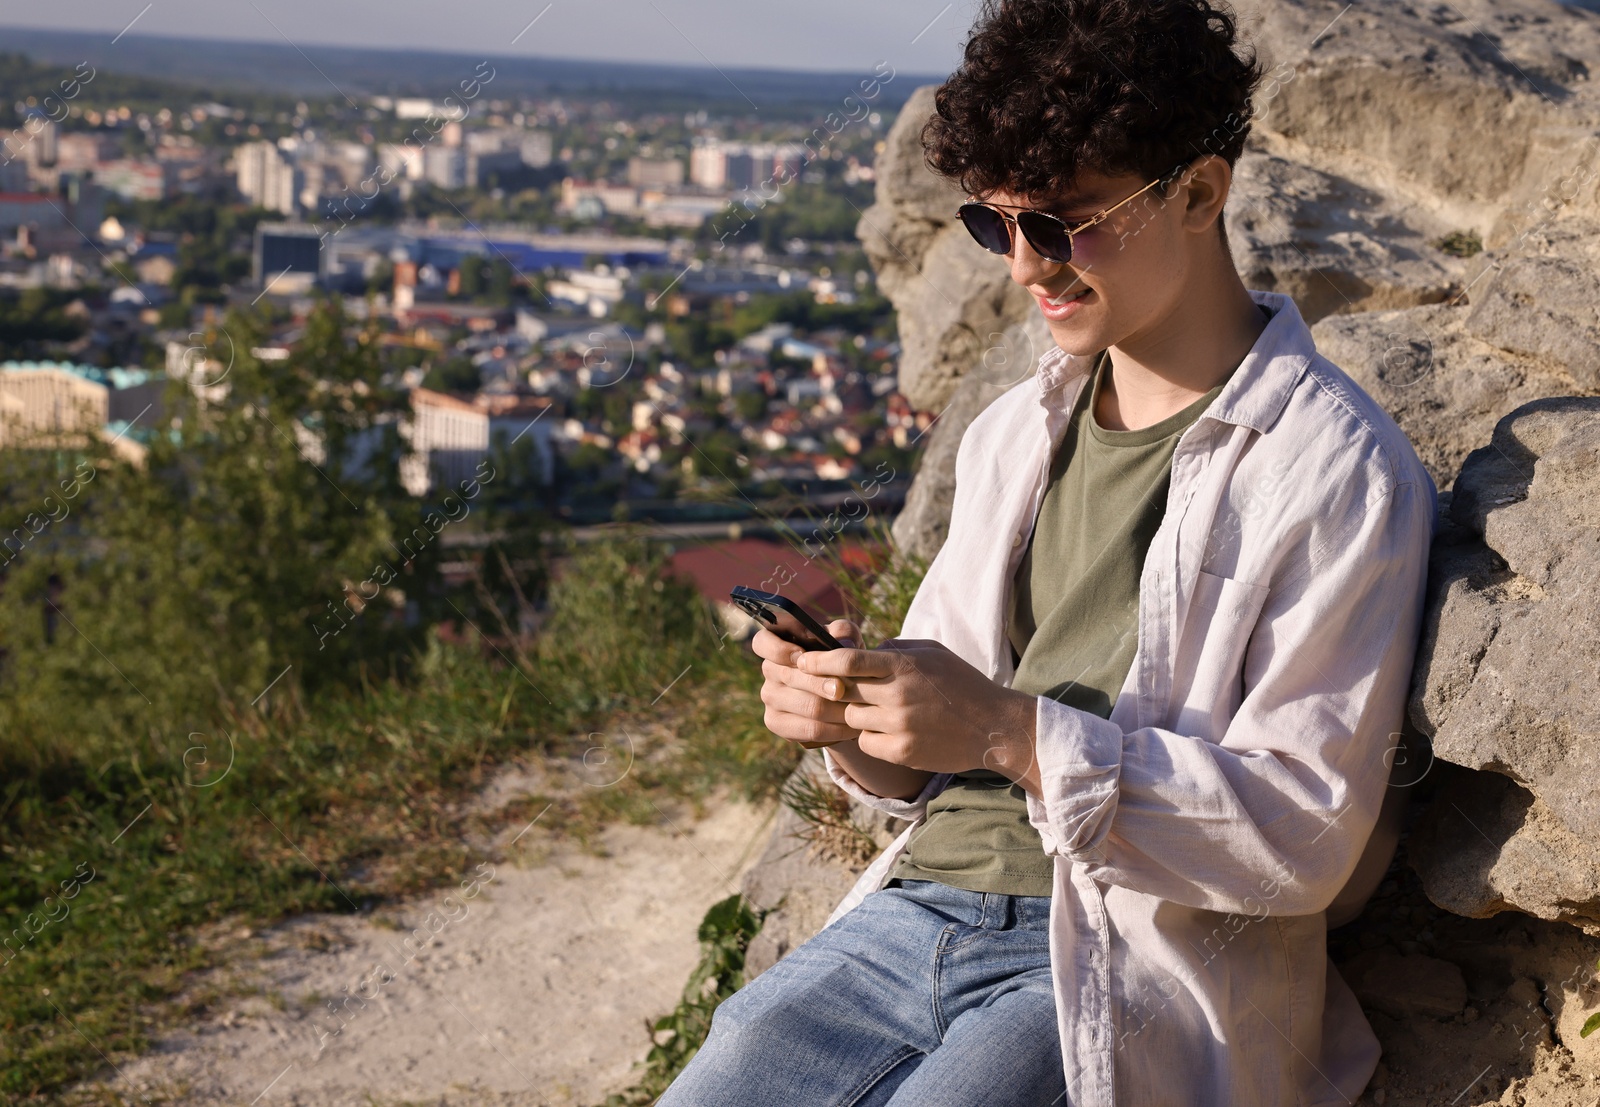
(1013, 230)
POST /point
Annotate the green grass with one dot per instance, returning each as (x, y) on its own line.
(829, 826)
(336, 803)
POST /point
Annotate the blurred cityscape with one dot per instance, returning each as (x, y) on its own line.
(660, 315)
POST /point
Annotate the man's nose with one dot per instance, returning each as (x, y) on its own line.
(1027, 267)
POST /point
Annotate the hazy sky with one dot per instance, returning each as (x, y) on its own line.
(921, 36)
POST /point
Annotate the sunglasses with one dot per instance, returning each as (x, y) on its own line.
(1049, 236)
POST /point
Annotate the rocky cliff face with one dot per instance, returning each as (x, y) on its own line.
(1507, 673)
(1381, 132)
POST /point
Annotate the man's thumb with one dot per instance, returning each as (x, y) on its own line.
(846, 632)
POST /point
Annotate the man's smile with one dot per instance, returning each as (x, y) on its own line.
(1064, 304)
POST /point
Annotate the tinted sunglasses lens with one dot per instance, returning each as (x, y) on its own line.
(988, 226)
(1047, 236)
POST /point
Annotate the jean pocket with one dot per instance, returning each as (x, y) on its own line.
(956, 936)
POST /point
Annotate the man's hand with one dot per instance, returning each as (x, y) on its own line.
(796, 708)
(915, 703)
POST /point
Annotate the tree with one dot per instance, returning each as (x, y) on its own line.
(455, 374)
(472, 276)
(511, 569)
(382, 279)
(35, 318)
(502, 282)
(751, 406)
(260, 540)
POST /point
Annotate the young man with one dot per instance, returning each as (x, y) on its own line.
(1139, 712)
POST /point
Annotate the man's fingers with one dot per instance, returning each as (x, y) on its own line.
(796, 701)
(799, 728)
(845, 631)
(769, 646)
(777, 673)
(847, 663)
(836, 689)
(868, 718)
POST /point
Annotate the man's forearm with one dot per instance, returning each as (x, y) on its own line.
(883, 778)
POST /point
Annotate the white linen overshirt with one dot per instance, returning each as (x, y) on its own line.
(1201, 831)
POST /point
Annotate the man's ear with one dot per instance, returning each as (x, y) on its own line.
(1205, 190)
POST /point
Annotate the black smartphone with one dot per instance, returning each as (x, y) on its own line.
(785, 618)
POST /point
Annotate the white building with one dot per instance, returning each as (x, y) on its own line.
(538, 149)
(445, 166)
(417, 108)
(708, 166)
(596, 290)
(204, 369)
(268, 179)
(400, 160)
(578, 195)
(49, 400)
(725, 166)
(450, 436)
(85, 149)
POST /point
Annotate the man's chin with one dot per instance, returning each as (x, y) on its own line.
(1075, 339)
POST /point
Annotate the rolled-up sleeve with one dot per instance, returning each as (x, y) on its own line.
(1273, 816)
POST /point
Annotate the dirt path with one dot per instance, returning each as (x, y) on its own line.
(534, 988)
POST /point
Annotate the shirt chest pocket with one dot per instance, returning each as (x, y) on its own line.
(1208, 679)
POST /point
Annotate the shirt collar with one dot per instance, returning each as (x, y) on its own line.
(1257, 391)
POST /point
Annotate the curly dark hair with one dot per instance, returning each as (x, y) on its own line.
(1047, 88)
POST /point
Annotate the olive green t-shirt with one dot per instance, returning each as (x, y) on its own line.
(1073, 628)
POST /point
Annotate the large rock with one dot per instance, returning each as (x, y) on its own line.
(1526, 327)
(1010, 356)
(1510, 854)
(950, 294)
(1508, 666)
(1474, 107)
(1444, 385)
(1334, 245)
(1545, 308)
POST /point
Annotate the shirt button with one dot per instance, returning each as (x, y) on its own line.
(1016, 541)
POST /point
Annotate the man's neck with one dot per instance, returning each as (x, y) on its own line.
(1162, 371)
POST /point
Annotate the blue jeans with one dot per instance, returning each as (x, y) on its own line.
(923, 994)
